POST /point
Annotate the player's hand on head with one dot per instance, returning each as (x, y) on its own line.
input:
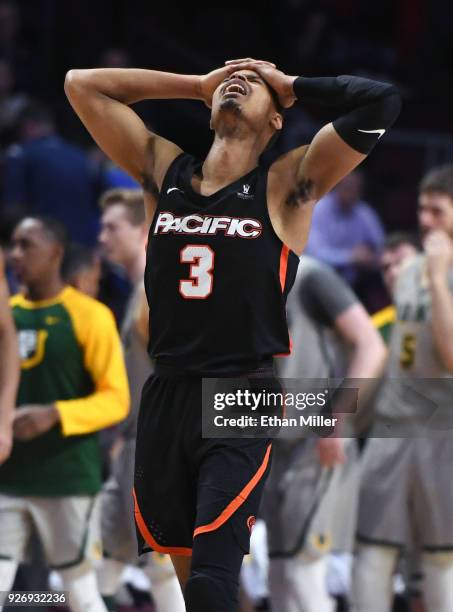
(210, 81)
(33, 420)
(280, 82)
(248, 60)
(331, 451)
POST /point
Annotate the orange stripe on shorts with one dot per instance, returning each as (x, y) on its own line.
(147, 536)
(238, 500)
(283, 265)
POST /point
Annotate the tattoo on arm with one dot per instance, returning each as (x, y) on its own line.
(302, 194)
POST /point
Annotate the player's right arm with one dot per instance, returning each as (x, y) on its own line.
(102, 97)
(9, 368)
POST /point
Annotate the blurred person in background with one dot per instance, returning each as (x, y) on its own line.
(346, 232)
(82, 269)
(46, 175)
(398, 248)
(73, 383)
(15, 47)
(406, 495)
(115, 57)
(123, 238)
(12, 103)
(310, 498)
(9, 368)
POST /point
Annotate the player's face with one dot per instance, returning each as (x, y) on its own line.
(33, 255)
(435, 212)
(119, 237)
(245, 94)
(392, 261)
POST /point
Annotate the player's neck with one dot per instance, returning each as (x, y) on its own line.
(229, 159)
(45, 289)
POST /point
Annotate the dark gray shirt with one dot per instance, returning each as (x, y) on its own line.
(318, 298)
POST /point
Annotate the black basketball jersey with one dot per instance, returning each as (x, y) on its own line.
(217, 275)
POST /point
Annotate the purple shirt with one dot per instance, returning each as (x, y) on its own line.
(335, 233)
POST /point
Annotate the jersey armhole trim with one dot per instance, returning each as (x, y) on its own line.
(166, 178)
(264, 172)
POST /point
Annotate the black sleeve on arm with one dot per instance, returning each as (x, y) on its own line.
(369, 107)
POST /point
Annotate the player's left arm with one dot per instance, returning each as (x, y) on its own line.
(103, 356)
(367, 109)
(439, 258)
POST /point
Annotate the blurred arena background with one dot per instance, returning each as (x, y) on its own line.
(50, 166)
(406, 42)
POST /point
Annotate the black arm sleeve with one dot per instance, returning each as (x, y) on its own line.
(369, 107)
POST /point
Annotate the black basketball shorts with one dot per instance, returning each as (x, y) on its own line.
(185, 485)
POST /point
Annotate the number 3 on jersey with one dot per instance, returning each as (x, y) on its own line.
(201, 258)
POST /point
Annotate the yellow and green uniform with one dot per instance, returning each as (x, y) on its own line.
(383, 321)
(71, 356)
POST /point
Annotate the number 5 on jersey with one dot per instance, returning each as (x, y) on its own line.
(201, 258)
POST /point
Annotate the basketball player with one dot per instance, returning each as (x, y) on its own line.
(123, 237)
(82, 269)
(9, 369)
(222, 256)
(73, 383)
(311, 480)
(406, 492)
(399, 247)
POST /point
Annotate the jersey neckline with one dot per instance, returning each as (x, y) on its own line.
(21, 300)
(195, 165)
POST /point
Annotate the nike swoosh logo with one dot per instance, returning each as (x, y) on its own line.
(174, 189)
(380, 132)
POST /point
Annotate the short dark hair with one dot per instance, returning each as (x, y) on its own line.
(280, 109)
(438, 179)
(276, 100)
(55, 230)
(396, 239)
(77, 257)
(131, 199)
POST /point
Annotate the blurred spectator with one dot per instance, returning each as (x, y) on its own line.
(13, 46)
(114, 58)
(398, 247)
(110, 176)
(11, 103)
(82, 269)
(346, 232)
(44, 174)
(73, 384)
